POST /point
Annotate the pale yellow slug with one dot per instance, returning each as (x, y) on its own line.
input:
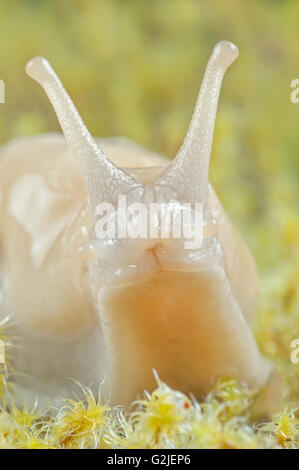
(114, 310)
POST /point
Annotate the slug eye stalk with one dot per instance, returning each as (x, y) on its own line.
(192, 161)
(103, 179)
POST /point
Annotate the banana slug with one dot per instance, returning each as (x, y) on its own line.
(118, 309)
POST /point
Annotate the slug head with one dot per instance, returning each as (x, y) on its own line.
(122, 205)
(186, 299)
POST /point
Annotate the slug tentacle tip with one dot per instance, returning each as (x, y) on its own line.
(226, 52)
(36, 68)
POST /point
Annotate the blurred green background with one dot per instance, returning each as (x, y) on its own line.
(134, 67)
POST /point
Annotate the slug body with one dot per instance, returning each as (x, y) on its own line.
(114, 309)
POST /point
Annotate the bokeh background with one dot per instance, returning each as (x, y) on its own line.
(134, 68)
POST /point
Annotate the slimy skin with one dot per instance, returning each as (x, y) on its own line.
(114, 310)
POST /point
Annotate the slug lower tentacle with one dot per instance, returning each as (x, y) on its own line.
(117, 308)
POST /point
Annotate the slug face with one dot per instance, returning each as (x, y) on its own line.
(113, 192)
(183, 309)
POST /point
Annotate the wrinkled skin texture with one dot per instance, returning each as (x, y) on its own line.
(93, 312)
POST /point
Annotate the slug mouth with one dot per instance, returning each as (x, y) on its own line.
(131, 265)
